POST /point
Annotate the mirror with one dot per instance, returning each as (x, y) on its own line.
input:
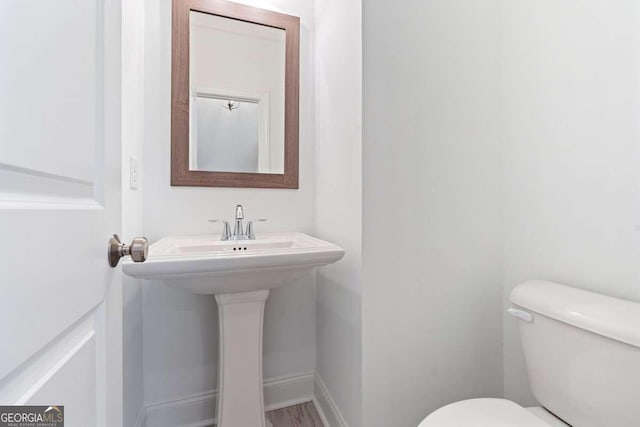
(234, 96)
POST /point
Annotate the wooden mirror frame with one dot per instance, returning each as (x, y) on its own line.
(181, 175)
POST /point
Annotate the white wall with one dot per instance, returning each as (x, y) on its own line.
(432, 323)
(339, 201)
(180, 330)
(572, 197)
(132, 142)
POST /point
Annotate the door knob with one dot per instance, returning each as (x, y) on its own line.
(138, 250)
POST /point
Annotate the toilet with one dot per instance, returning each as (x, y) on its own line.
(582, 351)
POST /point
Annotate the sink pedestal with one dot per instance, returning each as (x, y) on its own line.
(240, 397)
(241, 280)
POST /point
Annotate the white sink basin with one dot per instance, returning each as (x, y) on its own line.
(240, 273)
(207, 265)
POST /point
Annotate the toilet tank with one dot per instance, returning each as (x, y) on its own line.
(582, 351)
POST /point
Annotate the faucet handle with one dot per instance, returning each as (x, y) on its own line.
(226, 229)
(250, 233)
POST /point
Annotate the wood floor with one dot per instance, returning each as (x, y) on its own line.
(303, 415)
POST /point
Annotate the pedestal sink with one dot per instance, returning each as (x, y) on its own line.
(240, 274)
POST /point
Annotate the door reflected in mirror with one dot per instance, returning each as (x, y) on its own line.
(237, 102)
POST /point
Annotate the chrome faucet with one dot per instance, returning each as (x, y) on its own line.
(237, 229)
(239, 233)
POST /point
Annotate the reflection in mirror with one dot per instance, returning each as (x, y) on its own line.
(227, 135)
(237, 103)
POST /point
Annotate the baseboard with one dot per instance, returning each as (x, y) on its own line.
(326, 406)
(320, 412)
(141, 421)
(199, 410)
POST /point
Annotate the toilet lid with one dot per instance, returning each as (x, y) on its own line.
(483, 413)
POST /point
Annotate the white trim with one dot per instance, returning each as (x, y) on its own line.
(193, 132)
(264, 140)
(197, 410)
(326, 406)
(141, 421)
(320, 412)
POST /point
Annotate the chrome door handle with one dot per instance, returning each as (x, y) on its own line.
(138, 250)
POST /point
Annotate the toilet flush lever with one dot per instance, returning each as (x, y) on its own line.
(138, 250)
(521, 314)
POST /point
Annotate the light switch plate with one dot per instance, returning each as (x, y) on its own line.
(133, 173)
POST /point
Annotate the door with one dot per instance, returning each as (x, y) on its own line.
(60, 201)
